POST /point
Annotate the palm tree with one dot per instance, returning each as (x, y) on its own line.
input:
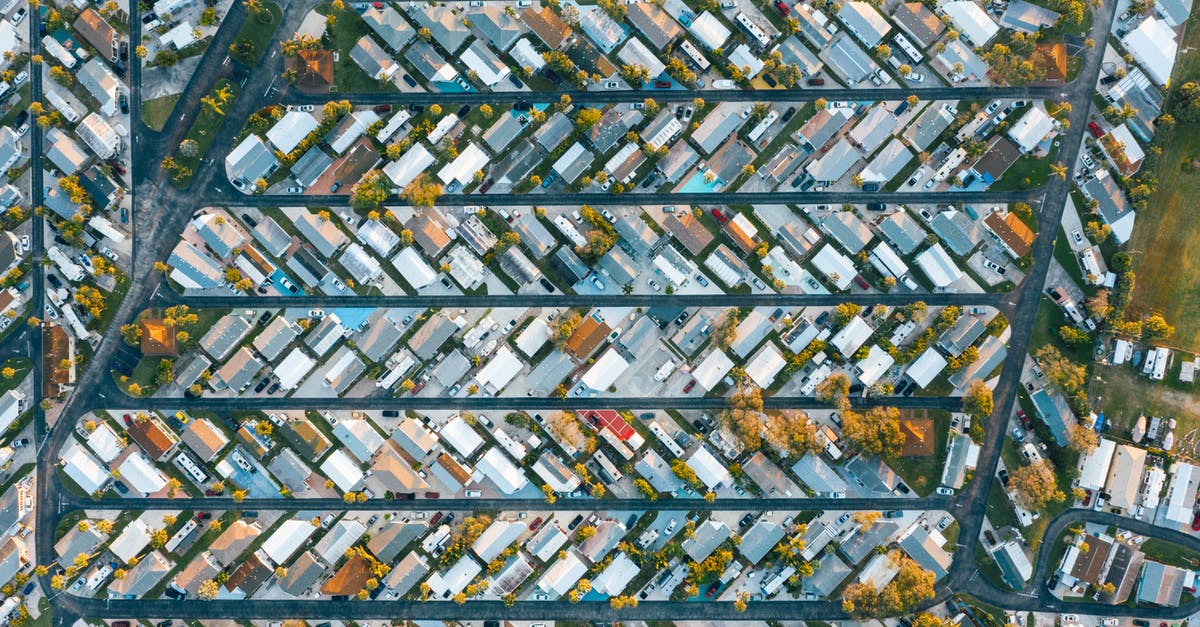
(1059, 170)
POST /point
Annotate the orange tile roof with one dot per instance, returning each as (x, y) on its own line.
(587, 336)
(350, 578)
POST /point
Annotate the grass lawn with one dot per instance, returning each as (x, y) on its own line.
(22, 366)
(1165, 235)
(999, 511)
(1122, 395)
(1028, 172)
(1170, 553)
(204, 131)
(258, 31)
(989, 568)
(156, 111)
(347, 76)
(924, 473)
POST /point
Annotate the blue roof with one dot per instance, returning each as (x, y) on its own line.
(1054, 414)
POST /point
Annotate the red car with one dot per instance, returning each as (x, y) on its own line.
(1087, 498)
(128, 420)
(719, 216)
(784, 9)
(861, 282)
(1095, 129)
(662, 84)
(537, 522)
(1025, 421)
(688, 388)
(712, 590)
(384, 108)
(432, 495)
(203, 516)
(1196, 522)
(816, 82)
(435, 519)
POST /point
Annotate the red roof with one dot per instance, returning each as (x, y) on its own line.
(597, 418)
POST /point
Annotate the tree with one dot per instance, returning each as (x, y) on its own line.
(1036, 485)
(564, 426)
(1082, 439)
(835, 390)
(725, 329)
(1063, 374)
(370, 191)
(189, 148)
(421, 192)
(790, 432)
(587, 118)
(977, 401)
(743, 416)
(911, 586)
(876, 432)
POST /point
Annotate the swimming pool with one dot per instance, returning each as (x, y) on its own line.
(277, 278)
(353, 317)
(697, 185)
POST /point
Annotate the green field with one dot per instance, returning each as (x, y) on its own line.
(259, 32)
(204, 132)
(1166, 233)
(157, 111)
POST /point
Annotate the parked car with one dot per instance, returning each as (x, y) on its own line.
(690, 384)
(816, 82)
(1095, 129)
(716, 213)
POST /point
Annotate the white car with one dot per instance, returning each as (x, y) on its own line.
(914, 77)
(944, 491)
(25, 243)
(306, 108)
(597, 282)
(51, 312)
(316, 313)
(1077, 236)
(337, 283)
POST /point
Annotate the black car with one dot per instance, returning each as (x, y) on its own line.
(1003, 477)
(119, 69)
(822, 318)
(875, 206)
(464, 110)
(29, 587)
(575, 522)
(21, 118)
(797, 181)
(123, 100)
(336, 186)
(700, 426)
(746, 520)
(250, 221)
(408, 79)
(446, 282)
(515, 81)
(769, 80)
(547, 284)
(787, 115)
(391, 413)
(274, 388)
(1054, 582)
(54, 282)
(172, 593)
(124, 51)
(262, 385)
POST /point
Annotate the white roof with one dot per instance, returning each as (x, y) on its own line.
(482, 66)
(971, 21)
(708, 468)
(1153, 46)
(179, 37)
(497, 537)
(503, 366)
(409, 166)
(710, 371)
(612, 581)
(502, 471)
(83, 468)
(343, 470)
(924, 368)
(292, 370)
(562, 575)
(463, 169)
(764, 366)
(709, 31)
(1031, 129)
(852, 336)
(605, 371)
(1181, 495)
(526, 55)
(1093, 467)
(360, 438)
(938, 266)
(291, 129)
(875, 365)
(105, 443)
(534, 337)
(454, 580)
(830, 262)
(887, 262)
(140, 474)
(413, 268)
(461, 436)
(134, 537)
(634, 52)
(743, 57)
(287, 539)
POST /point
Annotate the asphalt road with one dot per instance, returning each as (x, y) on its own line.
(681, 95)
(224, 194)
(162, 211)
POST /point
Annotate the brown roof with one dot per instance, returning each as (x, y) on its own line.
(998, 159)
(916, 19)
(690, 232)
(313, 68)
(152, 436)
(157, 338)
(587, 336)
(93, 27)
(429, 232)
(250, 576)
(548, 26)
(918, 437)
(350, 578)
(739, 237)
(1054, 58)
(233, 541)
(1012, 231)
(452, 467)
(1088, 566)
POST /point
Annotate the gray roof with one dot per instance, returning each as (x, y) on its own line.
(963, 334)
(848, 230)
(250, 160)
(830, 572)
(196, 265)
(874, 128)
(274, 239)
(452, 368)
(834, 164)
(1030, 18)
(225, 335)
(822, 127)
(865, 22)
(602, 29)
(494, 23)
(619, 266)
(636, 236)
(928, 126)
(309, 167)
(760, 539)
(705, 539)
(718, 125)
(569, 263)
(503, 132)
(516, 265)
(302, 573)
(428, 339)
(550, 372)
(554, 131)
(535, 236)
(277, 335)
(793, 52)
(393, 537)
(655, 24)
(903, 231)
(873, 474)
(862, 543)
(390, 26)
(443, 23)
(1106, 191)
(957, 230)
(848, 59)
(426, 59)
(371, 57)
(991, 354)
(379, 336)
